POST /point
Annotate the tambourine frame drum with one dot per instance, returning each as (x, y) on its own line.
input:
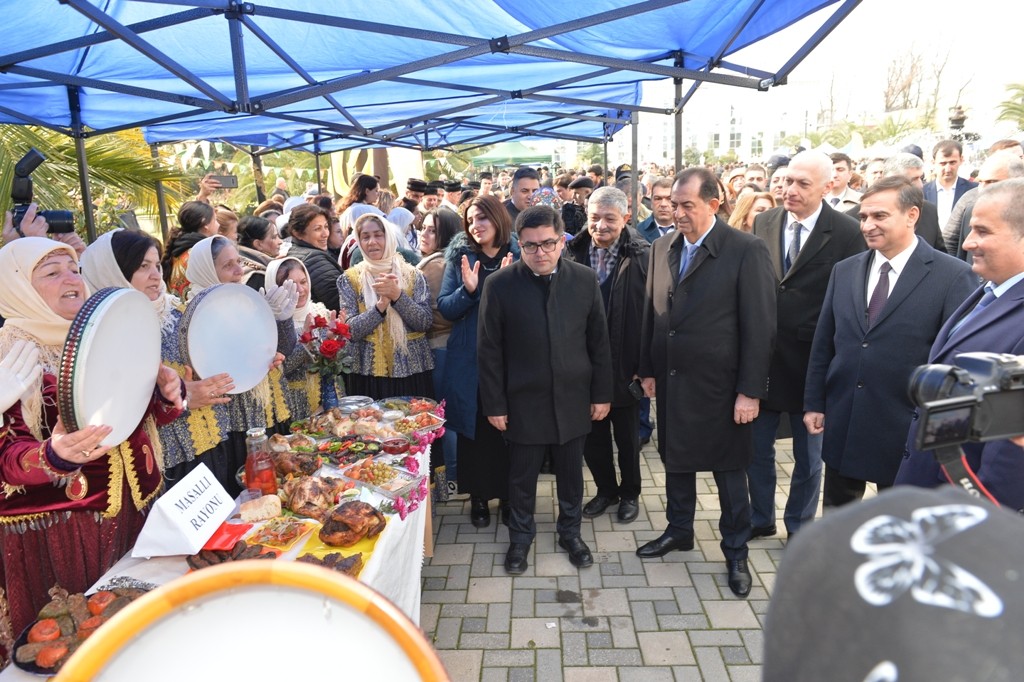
(110, 363)
(258, 620)
(229, 328)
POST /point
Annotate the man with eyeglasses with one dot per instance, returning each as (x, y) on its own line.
(706, 348)
(545, 373)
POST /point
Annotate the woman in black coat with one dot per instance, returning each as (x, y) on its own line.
(310, 227)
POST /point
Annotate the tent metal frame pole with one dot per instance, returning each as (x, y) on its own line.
(475, 47)
(823, 31)
(31, 120)
(316, 161)
(257, 174)
(677, 119)
(161, 199)
(75, 106)
(149, 51)
(297, 68)
(604, 156)
(236, 36)
(634, 122)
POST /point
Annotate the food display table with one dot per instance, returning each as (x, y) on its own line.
(393, 568)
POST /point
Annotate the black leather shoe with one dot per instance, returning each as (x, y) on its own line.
(479, 512)
(628, 510)
(645, 440)
(545, 466)
(763, 531)
(579, 553)
(663, 545)
(739, 577)
(504, 512)
(598, 506)
(515, 559)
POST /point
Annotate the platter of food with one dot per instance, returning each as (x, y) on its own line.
(64, 623)
(408, 404)
(282, 532)
(350, 449)
(422, 422)
(379, 476)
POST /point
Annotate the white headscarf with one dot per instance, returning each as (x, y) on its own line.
(201, 270)
(28, 316)
(353, 213)
(299, 316)
(390, 262)
(402, 217)
(100, 270)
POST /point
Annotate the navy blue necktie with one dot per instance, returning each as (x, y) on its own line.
(990, 295)
(687, 257)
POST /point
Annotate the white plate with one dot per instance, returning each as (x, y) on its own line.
(229, 328)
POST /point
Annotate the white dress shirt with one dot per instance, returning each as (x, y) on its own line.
(898, 263)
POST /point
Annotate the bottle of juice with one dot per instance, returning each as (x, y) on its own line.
(259, 465)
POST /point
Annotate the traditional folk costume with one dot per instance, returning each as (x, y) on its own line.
(60, 524)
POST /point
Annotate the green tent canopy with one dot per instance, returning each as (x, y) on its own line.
(511, 154)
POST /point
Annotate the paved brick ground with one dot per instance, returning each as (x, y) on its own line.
(623, 619)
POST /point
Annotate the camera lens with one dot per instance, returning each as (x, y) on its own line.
(59, 221)
(932, 382)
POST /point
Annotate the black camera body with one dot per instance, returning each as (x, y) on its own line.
(980, 399)
(21, 196)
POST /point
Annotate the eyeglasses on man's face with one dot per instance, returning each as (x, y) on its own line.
(547, 246)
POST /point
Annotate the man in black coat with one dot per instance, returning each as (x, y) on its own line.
(882, 311)
(805, 238)
(545, 372)
(706, 346)
(619, 256)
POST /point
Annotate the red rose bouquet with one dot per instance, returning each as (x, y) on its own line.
(326, 341)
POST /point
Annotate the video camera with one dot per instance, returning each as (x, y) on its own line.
(21, 196)
(980, 399)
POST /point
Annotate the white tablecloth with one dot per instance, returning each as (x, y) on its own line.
(393, 569)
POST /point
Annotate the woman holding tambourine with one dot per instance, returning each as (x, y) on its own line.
(130, 259)
(214, 261)
(69, 507)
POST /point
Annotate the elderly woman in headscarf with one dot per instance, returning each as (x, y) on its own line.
(129, 259)
(410, 254)
(70, 507)
(347, 220)
(215, 261)
(302, 388)
(386, 303)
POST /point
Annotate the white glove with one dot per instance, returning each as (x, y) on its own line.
(19, 369)
(282, 299)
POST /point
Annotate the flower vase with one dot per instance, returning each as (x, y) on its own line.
(328, 392)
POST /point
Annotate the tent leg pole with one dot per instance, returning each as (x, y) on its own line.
(319, 180)
(634, 122)
(161, 199)
(257, 175)
(83, 163)
(604, 162)
(678, 116)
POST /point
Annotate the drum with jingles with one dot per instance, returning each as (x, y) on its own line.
(229, 328)
(110, 364)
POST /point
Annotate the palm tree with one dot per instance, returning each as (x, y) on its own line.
(1012, 109)
(122, 175)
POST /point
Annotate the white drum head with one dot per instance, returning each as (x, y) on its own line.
(229, 328)
(110, 363)
(258, 620)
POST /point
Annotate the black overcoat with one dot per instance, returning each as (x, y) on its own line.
(800, 291)
(542, 352)
(706, 339)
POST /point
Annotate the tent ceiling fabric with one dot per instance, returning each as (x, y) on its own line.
(302, 74)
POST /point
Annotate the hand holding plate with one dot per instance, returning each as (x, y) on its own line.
(278, 361)
(169, 384)
(81, 446)
(18, 370)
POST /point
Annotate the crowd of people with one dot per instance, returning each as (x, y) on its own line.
(547, 311)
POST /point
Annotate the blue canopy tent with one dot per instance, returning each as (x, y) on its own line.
(303, 74)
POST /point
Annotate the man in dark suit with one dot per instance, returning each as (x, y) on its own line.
(881, 313)
(545, 373)
(619, 257)
(805, 238)
(990, 320)
(947, 187)
(911, 167)
(1002, 165)
(706, 344)
(660, 222)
